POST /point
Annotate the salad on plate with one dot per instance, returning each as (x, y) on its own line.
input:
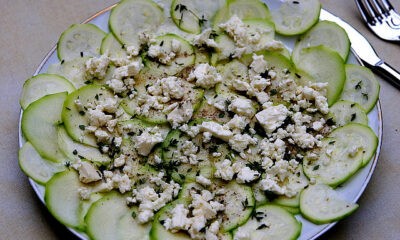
(190, 120)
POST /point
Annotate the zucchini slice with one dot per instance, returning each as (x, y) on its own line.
(75, 150)
(41, 85)
(336, 162)
(361, 87)
(325, 33)
(158, 231)
(62, 198)
(109, 218)
(243, 9)
(37, 168)
(184, 58)
(112, 48)
(321, 204)
(296, 17)
(74, 117)
(288, 202)
(344, 112)
(39, 125)
(191, 16)
(85, 205)
(80, 40)
(73, 70)
(270, 222)
(363, 135)
(186, 171)
(239, 204)
(324, 65)
(133, 17)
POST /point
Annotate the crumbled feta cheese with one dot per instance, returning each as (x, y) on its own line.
(97, 117)
(272, 117)
(132, 51)
(97, 67)
(239, 142)
(238, 123)
(224, 170)
(175, 46)
(246, 175)
(203, 180)
(188, 152)
(259, 65)
(216, 129)
(181, 114)
(206, 76)
(242, 233)
(203, 39)
(242, 106)
(88, 173)
(84, 193)
(146, 141)
(172, 87)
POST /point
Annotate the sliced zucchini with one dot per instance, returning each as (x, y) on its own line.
(243, 9)
(296, 17)
(208, 111)
(184, 58)
(292, 210)
(112, 48)
(225, 50)
(39, 125)
(270, 222)
(239, 204)
(73, 117)
(186, 171)
(362, 135)
(75, 150)
(344, 112)
(321, 204)
(109, 218)
(288, 202)
(41, 85)
(191, 16)
(325, 33)
(324, 65)
(361, 87)
(80, 40)
(62, 198)
(132, 17)
(234, 70)
(158, 231)
(84, 206)
(35, 167)
(336, 162)
(73, 70)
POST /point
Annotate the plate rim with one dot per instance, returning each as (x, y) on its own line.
(81, 235)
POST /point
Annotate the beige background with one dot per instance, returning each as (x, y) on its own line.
(29, 28)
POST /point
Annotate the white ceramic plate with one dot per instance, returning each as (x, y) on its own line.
(351, 190)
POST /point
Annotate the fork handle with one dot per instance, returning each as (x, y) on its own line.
(389, 73)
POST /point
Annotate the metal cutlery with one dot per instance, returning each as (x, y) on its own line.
(364, 50)
(381, 18)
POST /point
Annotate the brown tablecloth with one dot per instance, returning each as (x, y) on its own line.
(29, 28)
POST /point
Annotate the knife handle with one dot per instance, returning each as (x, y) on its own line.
(389, 73)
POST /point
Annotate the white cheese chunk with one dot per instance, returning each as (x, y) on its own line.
(242, 106)
(88, 173)
(206, 76)
(217, 130)
(272, 117)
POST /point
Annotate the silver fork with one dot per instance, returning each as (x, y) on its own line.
(381, 18)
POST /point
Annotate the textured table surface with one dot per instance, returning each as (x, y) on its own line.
(29, 28)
